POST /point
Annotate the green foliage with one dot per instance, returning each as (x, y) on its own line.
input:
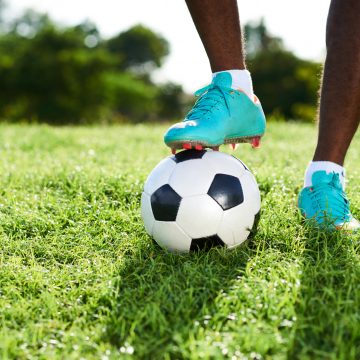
(64, 83)
(287, 86)
(258, 39)
(30, 23)
(139, 49)
(171, 101)
(130, 97)
(79, 277)
(69, 75)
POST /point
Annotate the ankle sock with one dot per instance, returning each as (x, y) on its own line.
(241, 80)
(328, 166)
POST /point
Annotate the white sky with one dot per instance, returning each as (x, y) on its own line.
(300, 23)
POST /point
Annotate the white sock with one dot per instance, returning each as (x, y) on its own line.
(328, 166)
(241, 80)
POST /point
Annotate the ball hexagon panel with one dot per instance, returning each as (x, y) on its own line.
(206, 243)
(165, 203)
(226, 190)
(235, 225)
(160, 175)
(199, 216)
(245, 167)
(251, 192)
(224, 163)
(170, 236)
(146, 213)
(192, 177)
(188, 155)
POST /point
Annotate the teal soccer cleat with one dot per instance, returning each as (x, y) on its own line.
(221, 115)
(325, 205)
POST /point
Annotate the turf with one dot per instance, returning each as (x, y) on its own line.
(80, 279)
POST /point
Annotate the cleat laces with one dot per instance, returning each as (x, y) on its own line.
(208, 97)
(338, 204)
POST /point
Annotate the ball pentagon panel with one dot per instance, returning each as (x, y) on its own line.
(165, 203)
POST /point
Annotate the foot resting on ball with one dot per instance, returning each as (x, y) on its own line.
(325, 205)
(221, 115)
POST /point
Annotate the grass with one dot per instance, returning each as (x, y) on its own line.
(80, 279)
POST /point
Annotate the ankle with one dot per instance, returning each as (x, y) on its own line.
(241, 80)
(328, 166)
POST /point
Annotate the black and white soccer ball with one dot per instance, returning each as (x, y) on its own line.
(200, 199)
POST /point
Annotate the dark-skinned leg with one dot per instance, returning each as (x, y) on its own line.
(323, 198)
(340, 93)
(218, 25)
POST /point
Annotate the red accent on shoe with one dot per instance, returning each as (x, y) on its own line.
(173, 151)
(255, 142)
(198, 147)
(187, 146)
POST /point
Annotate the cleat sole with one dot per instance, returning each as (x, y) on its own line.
(244, 139)
(254, 140)
(188, 145)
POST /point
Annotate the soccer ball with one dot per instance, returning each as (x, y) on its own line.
(199, 199)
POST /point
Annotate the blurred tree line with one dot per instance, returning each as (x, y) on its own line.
(72, 75)
(286, 85)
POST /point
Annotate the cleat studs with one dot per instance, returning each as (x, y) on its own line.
(198, 147)
(173, 151)
(234, 146)
(255, 142)
(187, 146)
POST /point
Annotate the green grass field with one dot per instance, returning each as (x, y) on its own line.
(80, 279)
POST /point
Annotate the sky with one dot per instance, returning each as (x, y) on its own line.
(300, 23)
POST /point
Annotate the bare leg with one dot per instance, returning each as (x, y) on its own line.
(340, 93)
(218, 25)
